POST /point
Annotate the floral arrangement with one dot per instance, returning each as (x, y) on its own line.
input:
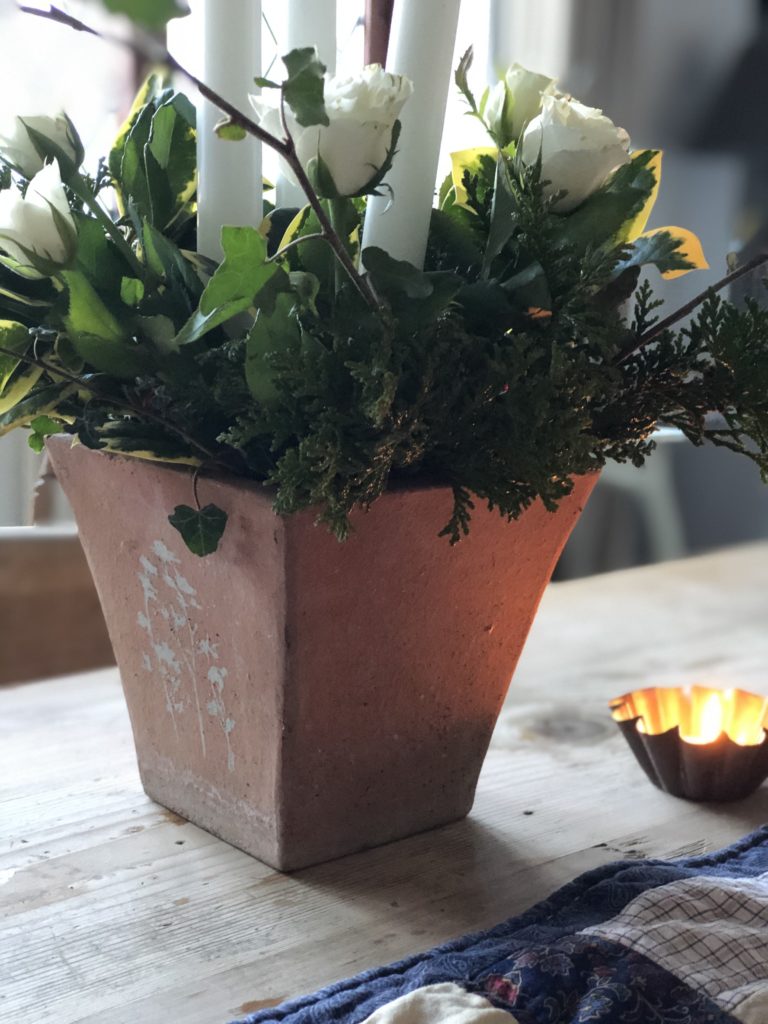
(524, 353)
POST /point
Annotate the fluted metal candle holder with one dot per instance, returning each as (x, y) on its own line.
(697, 742)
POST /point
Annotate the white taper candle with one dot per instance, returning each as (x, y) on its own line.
(230, 182)
(422, 47)
(308, 23)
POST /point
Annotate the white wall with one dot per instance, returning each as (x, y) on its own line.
(18, 471)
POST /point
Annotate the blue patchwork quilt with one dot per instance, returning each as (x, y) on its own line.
(638, 942)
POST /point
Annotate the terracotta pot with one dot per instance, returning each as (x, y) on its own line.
(301, 698)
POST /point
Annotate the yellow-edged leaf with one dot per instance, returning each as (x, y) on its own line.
(467, 160)
(637, 226)
(113, 445)
(690, 248)
(19, 388)
(293, 228)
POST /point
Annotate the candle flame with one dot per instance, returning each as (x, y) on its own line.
(707, 720)
(701, 714)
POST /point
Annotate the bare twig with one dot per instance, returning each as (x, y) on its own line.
(679, 314)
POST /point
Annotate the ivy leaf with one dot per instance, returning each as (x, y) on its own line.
(243, 273)
(151, 14)
(303, 90)
(227, 130)
(200, 529)
(275, 333)
(41, 427)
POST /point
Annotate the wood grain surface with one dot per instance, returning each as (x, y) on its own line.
(112, 908)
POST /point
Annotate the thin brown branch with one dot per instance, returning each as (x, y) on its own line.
(118, 403)
(160, 54)
(285, 148)
(328, 232)
(679, 314)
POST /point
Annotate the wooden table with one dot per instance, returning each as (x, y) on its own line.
(112, 908)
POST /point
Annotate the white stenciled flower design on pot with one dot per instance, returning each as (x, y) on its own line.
(185, 661)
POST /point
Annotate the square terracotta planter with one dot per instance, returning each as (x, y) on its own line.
(301, 698)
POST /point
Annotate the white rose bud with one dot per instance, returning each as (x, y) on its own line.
(515, 101)
(38, 229)
(580, 148)
(27, 143)
(362, 110)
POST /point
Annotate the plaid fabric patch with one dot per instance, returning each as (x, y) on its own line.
(711, 933)
(700, 925)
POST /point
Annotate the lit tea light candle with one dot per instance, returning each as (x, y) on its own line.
(697, 742)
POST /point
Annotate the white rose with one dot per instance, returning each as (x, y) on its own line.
(580, 148)
(26, 155)
(362, 110)
(40, 225)
(515, 101)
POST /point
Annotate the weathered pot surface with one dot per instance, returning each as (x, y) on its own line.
(301, 698)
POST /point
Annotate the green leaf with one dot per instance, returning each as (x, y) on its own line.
(150, 89)
(97, 255)
(243, 273)
(96, 335)
(131, 291)
(87, 313)
(17, 378)
(303, 90)
(227, 130)
(36, 402)
(201, 529)
(503, 216)
(15, 338)
(391, 275)
(277, 332)
(151, 14)
(306, 288)
(173, 148)
(462, 80)
(373, 186)
(600, 218)
(529, 287)
(133, 173)
(266, 83)
(41, 427)
(453, 242)
(660, 249)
